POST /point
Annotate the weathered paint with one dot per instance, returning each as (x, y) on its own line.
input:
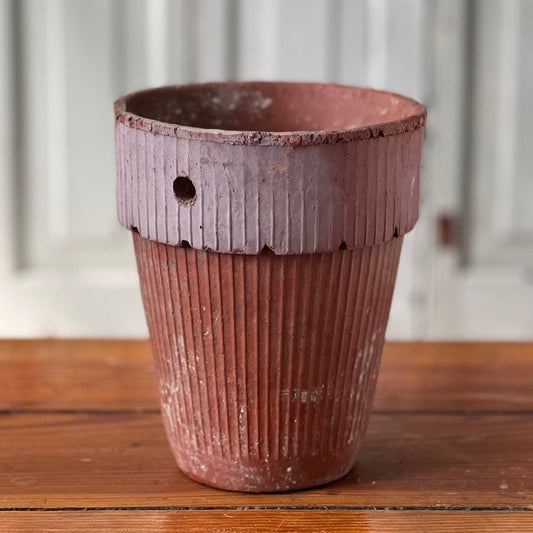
(300, 192)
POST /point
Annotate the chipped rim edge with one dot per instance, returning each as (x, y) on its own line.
(415, 120)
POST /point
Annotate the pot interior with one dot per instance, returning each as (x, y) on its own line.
(270, 106)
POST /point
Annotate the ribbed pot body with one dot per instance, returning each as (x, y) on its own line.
(267, 364)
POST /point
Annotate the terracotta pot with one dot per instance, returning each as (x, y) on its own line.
(268, 220)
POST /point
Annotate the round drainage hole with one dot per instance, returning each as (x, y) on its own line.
(184, 190)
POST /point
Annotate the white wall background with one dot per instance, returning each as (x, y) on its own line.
(67, 267)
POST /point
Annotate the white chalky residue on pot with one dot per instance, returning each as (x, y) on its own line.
(172, 407)
(170, 389)
(306, 395)
(230, 100)
(242, 425)
(218, 441)
(365, 357)
(197, 464)
(265, 102)
(169, 415)
(181, 343)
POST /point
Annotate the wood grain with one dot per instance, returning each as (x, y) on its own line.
(464, 376)
(82, 447)
(75, 375)
(232, 521)
(123, 460)
(118, 375)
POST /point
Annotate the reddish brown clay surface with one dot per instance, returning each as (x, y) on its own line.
(268, 224)
(267, 364)
(270, 113)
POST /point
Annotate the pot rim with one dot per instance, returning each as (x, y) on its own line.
(414, 118)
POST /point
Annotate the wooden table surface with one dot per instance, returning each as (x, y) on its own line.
(82, 447)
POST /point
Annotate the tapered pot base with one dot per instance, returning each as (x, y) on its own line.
(266, 475)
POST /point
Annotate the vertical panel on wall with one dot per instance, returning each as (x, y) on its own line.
(353, 42)
(303, 39)
(8, 162)
(67, 124)
(131, 34)
(446, 83)
(522, 219)
(501, 224)
(380, 43)
(88, 185)
(32, 64)
(285, 40)
(447, 60)
(178, 32)
(488, 121)
(377, 42)
(507, 82)
(406, 47)
(258, 30)
(156, 44)
(152, 43)
(212, 45)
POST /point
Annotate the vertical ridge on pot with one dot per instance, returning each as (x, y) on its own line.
(180, 347)
(305, 290)
(303, 420)
(263, 325)
(325, 356)
(372, 167)
(365, 354)
(231, 424)
(238, 321)
(251, 291)
(337, 333)
(289, 333)
(264, 361)
(176, 402)
(206, 343)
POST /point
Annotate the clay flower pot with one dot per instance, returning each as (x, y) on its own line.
(267, 220)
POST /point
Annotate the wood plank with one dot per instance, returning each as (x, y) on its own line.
(122, 460)
(261, 521)
(49, 374)
(466, 376)
(118, 375)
